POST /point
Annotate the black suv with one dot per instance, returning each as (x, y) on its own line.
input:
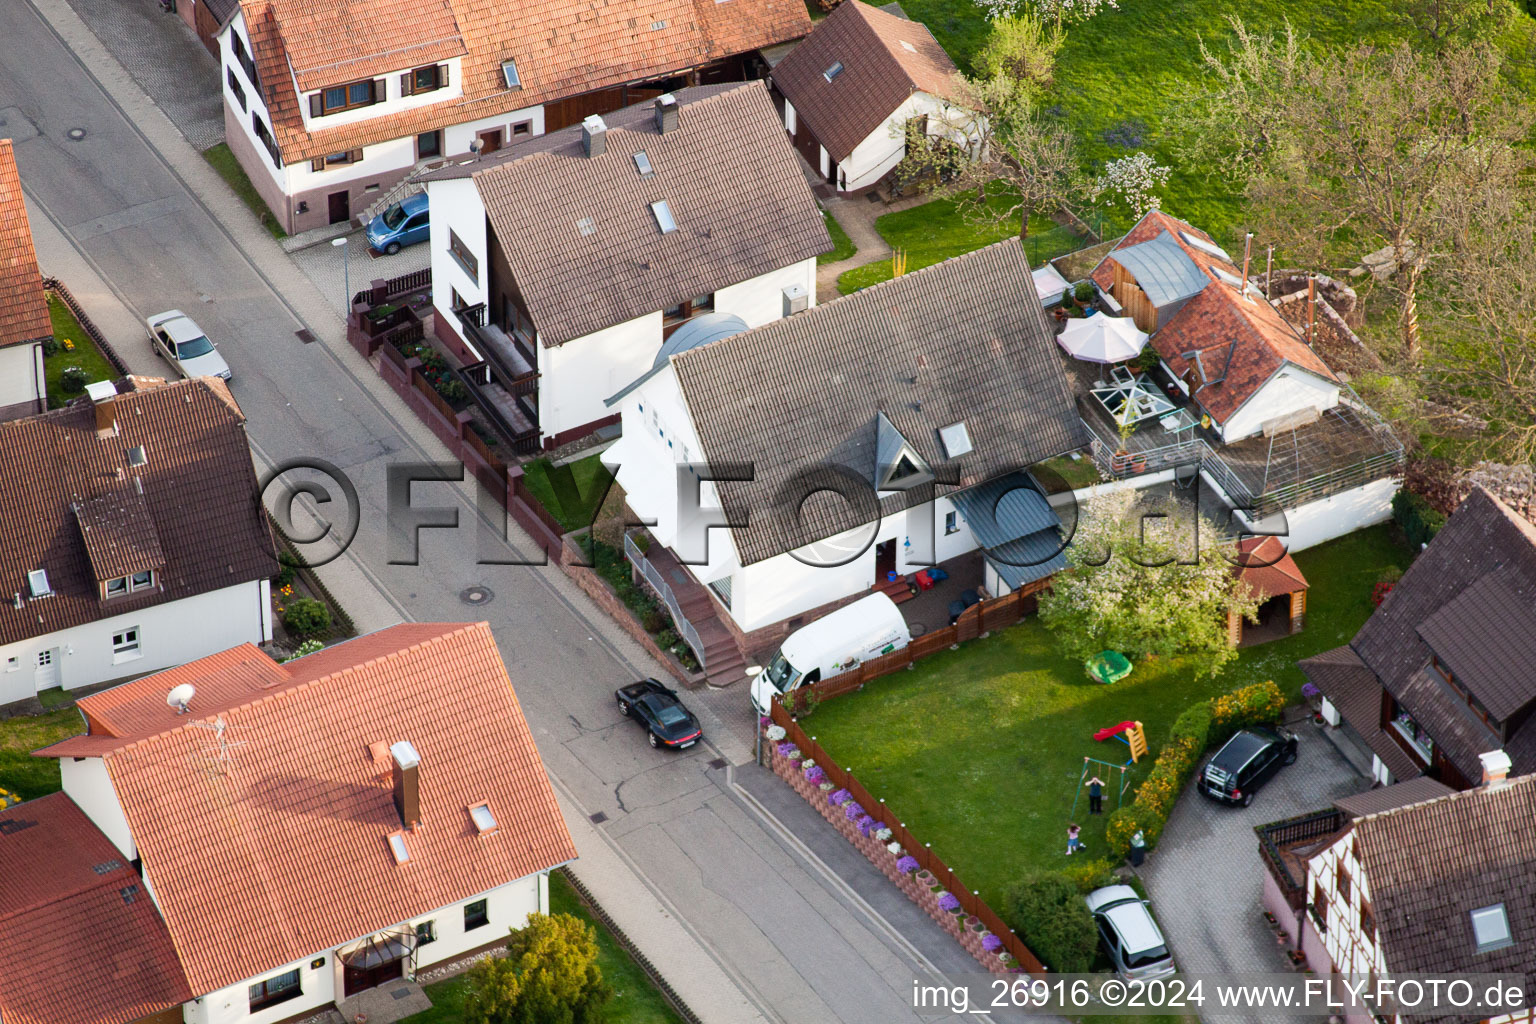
(1244, 763)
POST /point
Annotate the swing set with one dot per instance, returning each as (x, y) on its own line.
(1119, 793)
(1133, 736)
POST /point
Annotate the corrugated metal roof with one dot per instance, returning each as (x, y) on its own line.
(1029, 558)
(1162, 269)
(1004, 510)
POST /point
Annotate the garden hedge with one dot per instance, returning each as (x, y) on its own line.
(1419, 520)
(1047, 910)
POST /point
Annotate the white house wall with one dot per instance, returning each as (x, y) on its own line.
(1291, 390)
(760, 300)
(21, 374)
(253, 101)
(89, 785)
(170, 634)
(507, 907)
(455, 205)
(1327, 518)
(884, 147)
(394, 102)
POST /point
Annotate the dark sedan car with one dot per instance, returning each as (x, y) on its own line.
(666, 721)
(1246, 762)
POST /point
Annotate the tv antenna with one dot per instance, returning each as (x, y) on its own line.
(180, 697)
(220, 754)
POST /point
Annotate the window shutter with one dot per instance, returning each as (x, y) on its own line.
(442, 76)
(407, 84)
(380, 89)
(315, 108)
(317, 164)
(355, 155)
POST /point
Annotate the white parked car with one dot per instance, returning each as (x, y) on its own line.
(180, 341)
(1129, 935)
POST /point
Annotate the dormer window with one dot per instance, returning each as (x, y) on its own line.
(117, 587)
(337, 98)
(130, 584)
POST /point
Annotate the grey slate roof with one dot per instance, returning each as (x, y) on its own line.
(1390, 798)
(1162, 269)
(1356, 692)
(727, 172)
(1428, 866)
(965, 339)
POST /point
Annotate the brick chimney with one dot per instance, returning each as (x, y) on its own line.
(666, 113)
(407, 783)
(594, 136)
(1496, 765)
(103, 395)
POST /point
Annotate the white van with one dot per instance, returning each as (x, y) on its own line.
(835, 643)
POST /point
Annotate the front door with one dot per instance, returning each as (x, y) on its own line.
(47, 669)
(885, 559)
(356, 979)
(340, 207)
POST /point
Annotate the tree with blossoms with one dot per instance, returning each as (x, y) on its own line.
(1130, 180)
(1049, 10)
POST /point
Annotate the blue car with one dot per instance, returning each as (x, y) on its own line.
(404, 223)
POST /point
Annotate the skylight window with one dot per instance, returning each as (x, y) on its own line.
(37, 582)
(397, 847)
(1209, 248)
(657, 26)
(908, 46)
(1490, 927)
(833, 71)
(137, 456)
(509, 74)
(484, 820)
(956, 438)
(663, 214)
(587, 226)
(643, 164)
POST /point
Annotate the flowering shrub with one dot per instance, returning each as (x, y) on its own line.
(882, 833)
(1006, 959)
(1309, 690)
(825, 786)
(1258, 704)
(775, 733)
(948, 901)
(893, 848)
(852, 811)
(906, 865)
(991, 943)
(787, 749)
(839, 798)
(814, 775)
(866, 825)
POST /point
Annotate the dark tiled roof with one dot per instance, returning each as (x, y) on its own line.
(1430, 865)
(758, 218)
(563, 48)
(23, 307)
(1483, 539)
(119, 533)
(1486, 635)
(1390, 798)
(969, 331)
(1356, 692)
(95, 950)
(885, 59)
(199, 490)
(1243, 342)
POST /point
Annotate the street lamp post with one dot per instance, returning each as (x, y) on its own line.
(346, 275)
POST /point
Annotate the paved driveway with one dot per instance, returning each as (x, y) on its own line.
(1205, 877)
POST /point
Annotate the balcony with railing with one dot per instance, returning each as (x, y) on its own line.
(1284, 846)
(504, 380)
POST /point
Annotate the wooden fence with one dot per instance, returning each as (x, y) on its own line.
(927, 860)
(994, 613)
(382, 291)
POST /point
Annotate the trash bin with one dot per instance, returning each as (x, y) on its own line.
(956, 609)
(1138, 854)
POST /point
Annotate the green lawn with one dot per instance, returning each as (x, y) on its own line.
(635, 999)
(230, 170)
(842, 245)
(979, 750)
(936, 231)
(1074, 473)
(85, 354)
(27, 776)
(573, 507)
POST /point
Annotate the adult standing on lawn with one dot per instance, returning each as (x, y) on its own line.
(1095, 795)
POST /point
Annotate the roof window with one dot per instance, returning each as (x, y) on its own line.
(908, 46)
(833, 71)
(956, 438)
(484, 820)
(1209, 248)
(509, 74)
(1490, 927)
(587, 226)
(643, 164)
(663, 215)
(397, 847)
(37, 582)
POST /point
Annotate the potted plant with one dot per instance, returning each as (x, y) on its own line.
(1122, 459)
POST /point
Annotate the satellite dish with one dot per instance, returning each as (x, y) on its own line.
(476, 145)
(180, 697)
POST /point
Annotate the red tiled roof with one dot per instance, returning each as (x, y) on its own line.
(84, 943)
(1268, 568)
(563, 48)
(23, 307)
(280, 851)
(332, 42)
(885, 59)
(1245, 342)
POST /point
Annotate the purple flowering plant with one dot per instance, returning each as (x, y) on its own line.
(838, 797)
(949, 902)
(865, 825)
(786, 748)
(815, 776)
(991, 943)
(906, 865)
(852, 811)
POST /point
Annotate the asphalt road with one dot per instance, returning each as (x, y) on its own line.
(792, 938)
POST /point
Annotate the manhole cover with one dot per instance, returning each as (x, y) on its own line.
(916, 628)
(598, 818)
(76, 134)
(476, 595)
(718, 762)
(306, 336)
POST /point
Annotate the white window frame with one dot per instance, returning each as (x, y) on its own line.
(126, 645)
(134, 584)
(121, 583)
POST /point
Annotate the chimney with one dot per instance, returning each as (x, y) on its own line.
(1247, 256)
(594, 136)
(102, 394)
(1496, 765)
(407, 783)
(795, 299)
(666, 113)
(1311, 306)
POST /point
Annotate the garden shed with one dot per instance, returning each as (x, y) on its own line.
(1269, 570)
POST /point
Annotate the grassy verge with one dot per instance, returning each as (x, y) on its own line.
(27, 776)
(84, 354)
(635, 999)
(842, 246)
(1075, 473)
(573, 508)
(230, 170)
(981, 749)
(936, 231)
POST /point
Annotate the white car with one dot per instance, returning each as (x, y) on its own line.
(1129, 935)
(180, 341)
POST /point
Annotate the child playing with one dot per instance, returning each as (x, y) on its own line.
(1073, 843)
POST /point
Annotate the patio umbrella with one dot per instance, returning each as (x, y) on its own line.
(1102, 339)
